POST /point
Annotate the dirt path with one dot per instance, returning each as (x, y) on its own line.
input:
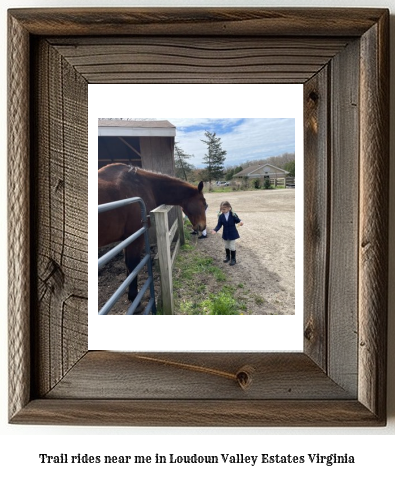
(265, 251)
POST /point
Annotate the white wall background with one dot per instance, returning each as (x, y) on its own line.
(372, 448)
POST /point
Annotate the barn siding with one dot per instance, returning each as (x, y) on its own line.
(158, 154)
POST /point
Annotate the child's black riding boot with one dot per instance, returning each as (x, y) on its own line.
(227, 258)
(233, 259)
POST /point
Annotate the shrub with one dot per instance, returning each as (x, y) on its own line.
(266, 183)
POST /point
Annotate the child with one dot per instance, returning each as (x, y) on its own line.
(228, 220)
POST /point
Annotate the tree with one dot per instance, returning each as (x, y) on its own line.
(215, 156)
(279, 161)
(184, 170)
(290, 167)
(201, 175)
(229, 174)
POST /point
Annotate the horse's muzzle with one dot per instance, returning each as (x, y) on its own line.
(200, 227)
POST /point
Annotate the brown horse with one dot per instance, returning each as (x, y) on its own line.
(119, 181)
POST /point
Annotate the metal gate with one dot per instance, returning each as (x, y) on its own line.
(146, 260)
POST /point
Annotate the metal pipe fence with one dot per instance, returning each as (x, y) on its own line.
(149, 283)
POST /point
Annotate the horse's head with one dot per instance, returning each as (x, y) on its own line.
(195, 208)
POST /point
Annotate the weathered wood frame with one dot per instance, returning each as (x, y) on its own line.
(342, 58)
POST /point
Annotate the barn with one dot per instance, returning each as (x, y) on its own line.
(262, 171)
(145, 144)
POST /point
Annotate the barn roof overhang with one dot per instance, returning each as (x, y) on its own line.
(122, 128)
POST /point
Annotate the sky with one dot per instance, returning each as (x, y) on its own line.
(244, 139)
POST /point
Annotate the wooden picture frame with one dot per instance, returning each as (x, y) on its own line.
(342, 58)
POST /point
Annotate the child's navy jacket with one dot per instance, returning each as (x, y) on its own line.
(229, 232)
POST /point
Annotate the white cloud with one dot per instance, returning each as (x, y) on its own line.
(253, 138)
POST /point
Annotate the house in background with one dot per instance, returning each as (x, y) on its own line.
(262, 171)
(145, 144)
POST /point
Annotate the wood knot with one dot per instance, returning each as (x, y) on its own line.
(244, 376)
(59, 185)
(366, 245)
(313, 96)
(54, 276)
(309, 331)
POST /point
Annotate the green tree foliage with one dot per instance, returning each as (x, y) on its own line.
(257, 183)
(214, 158)
(202, 175)
(183, 169)
(290, 167)
(230, 172)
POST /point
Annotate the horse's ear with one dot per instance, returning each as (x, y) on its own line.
(200, 187)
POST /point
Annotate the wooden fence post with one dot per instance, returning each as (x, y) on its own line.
(165, 263)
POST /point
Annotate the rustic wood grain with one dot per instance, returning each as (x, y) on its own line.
(317, 387)
(201, 413)
(18, 218)
(330, 22)
(316, 214)
(373, 233)
(343, 225)
(186, 60)
(161, 221)
(163, 148)
(61, 231)
(196, 376)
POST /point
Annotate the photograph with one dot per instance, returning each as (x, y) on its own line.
(234, 177)
(195, 217)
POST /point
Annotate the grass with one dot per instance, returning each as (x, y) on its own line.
(194, 280)
(226, 189)
(220, 304)
(259, 300)
(223, 189)
(192, 266)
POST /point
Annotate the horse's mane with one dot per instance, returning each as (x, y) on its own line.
(154, 174)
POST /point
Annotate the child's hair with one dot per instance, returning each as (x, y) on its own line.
(225, 203)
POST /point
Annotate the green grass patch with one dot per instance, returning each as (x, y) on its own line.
(224, 189)
(220, 304)
(200, 287)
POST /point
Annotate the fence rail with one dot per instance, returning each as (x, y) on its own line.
(290, 182)
(285, 182)
(151, 307)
